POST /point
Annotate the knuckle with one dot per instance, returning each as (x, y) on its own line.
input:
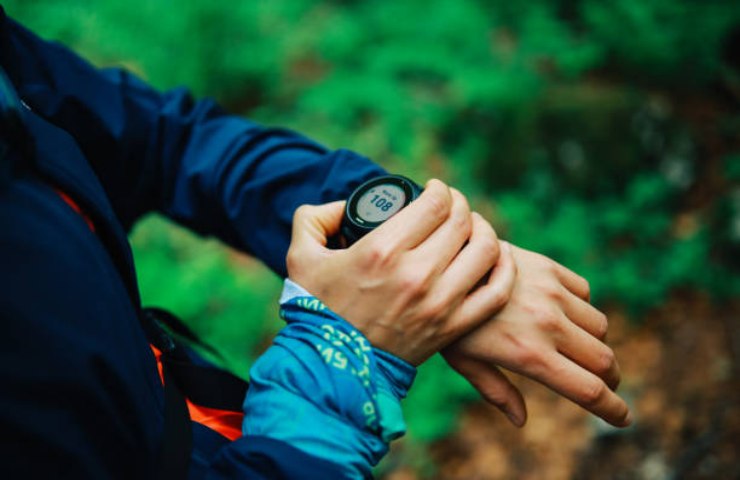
(459, 198)
(591, 393)
(302, 212)
(555, 293)
(499, 299)
(490, 246)
(379, 255)
(435, 310)
(438, 201)
(549, 322)
(293, 260)
(494, 234)
(552, 267)
(462, 223)
(415, 282)
(438, 207)
(450, 329)
(602, 325)
(615, 382)
(529, 354)
(586, 285)
(606, 360)
(486, 245)
(485, 225)
(296, 260)
(459, 201)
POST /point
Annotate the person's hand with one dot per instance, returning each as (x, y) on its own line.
(548, 332)
(409, 284)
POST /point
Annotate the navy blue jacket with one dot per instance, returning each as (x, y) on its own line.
(80, 396)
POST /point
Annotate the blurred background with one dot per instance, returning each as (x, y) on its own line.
(605, 134)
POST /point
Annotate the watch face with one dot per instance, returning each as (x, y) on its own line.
(380, 203)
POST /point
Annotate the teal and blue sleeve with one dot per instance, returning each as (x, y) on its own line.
(322, 388)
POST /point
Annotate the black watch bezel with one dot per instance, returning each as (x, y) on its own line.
(353, 226)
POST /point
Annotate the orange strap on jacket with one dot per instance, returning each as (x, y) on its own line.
(225, 422)
(74, 206)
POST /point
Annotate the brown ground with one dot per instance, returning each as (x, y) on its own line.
(680, 373)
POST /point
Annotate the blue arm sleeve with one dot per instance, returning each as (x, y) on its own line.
(324, 390)
(215, 173)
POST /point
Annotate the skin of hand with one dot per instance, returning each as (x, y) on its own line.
(548, 331)
(409, 284)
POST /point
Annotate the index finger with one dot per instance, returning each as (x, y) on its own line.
(412, 225)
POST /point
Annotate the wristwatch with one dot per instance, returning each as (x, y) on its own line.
(374, 202)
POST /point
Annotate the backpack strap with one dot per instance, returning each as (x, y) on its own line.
(189, 386)
(174, 460)
(201, 383)
(177, 433)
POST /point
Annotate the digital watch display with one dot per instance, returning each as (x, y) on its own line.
(374, 202)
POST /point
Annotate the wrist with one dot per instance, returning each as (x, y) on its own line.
(324, 389)
(391, 372)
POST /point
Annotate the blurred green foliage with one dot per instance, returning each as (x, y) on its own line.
(601, 133)
(224, 299)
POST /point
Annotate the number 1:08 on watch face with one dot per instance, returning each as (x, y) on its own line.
(379, 203)
(374, 202)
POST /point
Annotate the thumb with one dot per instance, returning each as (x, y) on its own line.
(314, 224)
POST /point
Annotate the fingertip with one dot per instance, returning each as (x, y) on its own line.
(436, 186)
(316, 223)
(516, 421)
(476, 221)
(484, 230)
(301, 212)
(337, 204)
(627, 419)
(520, 409)
(334, 208)
(437, 199)
(458, 196)
(507, 256)
(517, 416)
(510, 402)
(434, 183)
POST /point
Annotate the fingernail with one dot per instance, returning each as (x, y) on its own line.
(505, 245)
(628, 419)
(514, 419)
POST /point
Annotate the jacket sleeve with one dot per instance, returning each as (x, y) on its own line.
(215, 173)
(323, 390)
